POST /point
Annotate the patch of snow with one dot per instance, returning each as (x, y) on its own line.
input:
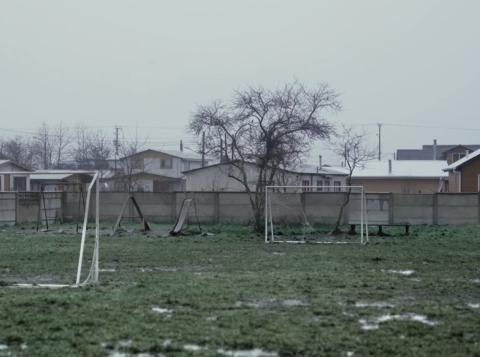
(476, 281)
(373, 324)
(107, 270)
(3, 347)
(23, 346)
(417, 280)
(406, 272)
(377, 304)
(350, 353)
(211, 318)
(278, 253)
(192, 348)
(247, 353)
(474, 306)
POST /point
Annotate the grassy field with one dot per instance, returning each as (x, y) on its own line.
(230, 292)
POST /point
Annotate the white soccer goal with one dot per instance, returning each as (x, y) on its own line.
(301, 214)
(93, 270)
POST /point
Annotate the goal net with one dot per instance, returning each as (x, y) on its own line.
(301, 214)
(52, 257)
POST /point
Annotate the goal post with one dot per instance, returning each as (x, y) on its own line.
(313, 210)
(93, 270)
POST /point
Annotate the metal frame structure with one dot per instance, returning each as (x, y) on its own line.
(269, 235)
(92, 277)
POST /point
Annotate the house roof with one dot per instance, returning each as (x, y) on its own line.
(462, 161)
(426, 152)
(145, 174)
(421, 169)
(5, 162)
(302, 169)
(56, 175)
(175, 153)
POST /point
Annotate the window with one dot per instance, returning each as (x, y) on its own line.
(457, 156)
(305, 185)
(327, 183)
(319, 184)
(19, 183)
(337, 185)
(166, 164)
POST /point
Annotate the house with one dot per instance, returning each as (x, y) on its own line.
(464, 174)
(60, 180)
(152, 171)
(402, 176)
(12, 181)
(449, 153)
(218, 177)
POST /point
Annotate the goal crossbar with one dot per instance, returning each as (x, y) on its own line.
(269, 229)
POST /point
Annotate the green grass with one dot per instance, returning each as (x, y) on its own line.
(227, 291)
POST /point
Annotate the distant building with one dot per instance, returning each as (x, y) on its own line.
(60, 180)
(152, 171)
(397, 176)
(464, 174)
(11, 181)
(448, 153)
(218, 178)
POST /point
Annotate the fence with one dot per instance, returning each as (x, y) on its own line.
(234, 207)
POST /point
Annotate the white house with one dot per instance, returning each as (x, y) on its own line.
(218, 178)
(153, 171)
(10, 180)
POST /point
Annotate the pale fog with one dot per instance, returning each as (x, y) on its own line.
(146, 65)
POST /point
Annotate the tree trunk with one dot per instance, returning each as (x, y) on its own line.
(336, 229)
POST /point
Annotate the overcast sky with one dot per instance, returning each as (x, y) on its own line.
(150, 63)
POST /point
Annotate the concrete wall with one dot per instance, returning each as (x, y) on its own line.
(234, 207)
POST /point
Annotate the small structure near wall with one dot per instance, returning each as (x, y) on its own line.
(402, 176)
(11, 181)
(60, 180)
(218, 177)
(464, 174)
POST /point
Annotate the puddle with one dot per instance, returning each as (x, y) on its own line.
(474, 306)
(192, 348)
(269, 303)
(374, 323)
(406, 272)
(376, 304)
(162, 310)
(247, 353)
(158, 270)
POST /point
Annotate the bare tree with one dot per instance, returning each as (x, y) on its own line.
(270, 129)
(43, 147)
(131, 163)
(19, 150)
(60, 143)
(352, 147)
(91, 149)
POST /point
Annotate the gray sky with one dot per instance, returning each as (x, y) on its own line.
(150, 63)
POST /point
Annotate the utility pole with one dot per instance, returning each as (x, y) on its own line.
(379, 141)
(116, 145)
(203, 149)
